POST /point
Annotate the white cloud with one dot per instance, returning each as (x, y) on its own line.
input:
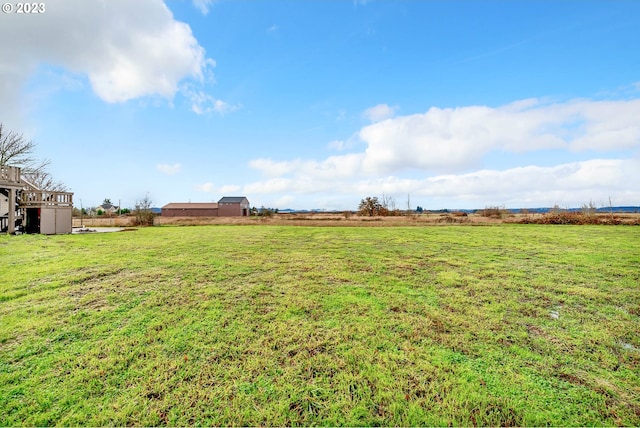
(344, 145)
(452, 141)
(347, 165)
(209, 187)
(203, 5)
(122, 55)
(203, 103)
(379, 112)
(205, 187)
(285, 201)
(337, 145)
(606, 125)
(457, 139)
(274, 28)
(570, 184)
(228, 189)
(271, 168)
(169, 169)
(280, 185)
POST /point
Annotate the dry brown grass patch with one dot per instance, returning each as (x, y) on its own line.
(482, 217)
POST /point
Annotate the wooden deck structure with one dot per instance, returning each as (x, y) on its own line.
(38, 211)
(10, 184)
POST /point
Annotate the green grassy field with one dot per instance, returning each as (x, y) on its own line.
(277, 325)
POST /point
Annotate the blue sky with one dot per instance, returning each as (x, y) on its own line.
(318, 104)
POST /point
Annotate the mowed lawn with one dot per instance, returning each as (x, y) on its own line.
(277, 325)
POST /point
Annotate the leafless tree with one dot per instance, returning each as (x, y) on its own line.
(15, 150)
(143, 214)
(39, 177)
(388, 202)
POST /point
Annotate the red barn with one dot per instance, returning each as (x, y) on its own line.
(228, 206)
(233, 206)
(189, 209)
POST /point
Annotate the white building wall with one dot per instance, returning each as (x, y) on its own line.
(47, 221)
(63, 220)
(55, 221)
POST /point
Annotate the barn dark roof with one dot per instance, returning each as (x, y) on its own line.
(191, 205)
(232, 199)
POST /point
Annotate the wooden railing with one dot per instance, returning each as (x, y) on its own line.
(9, 174)
(40, 199)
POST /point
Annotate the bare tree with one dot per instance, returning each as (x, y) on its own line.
(38, 176)
(16, 151)
(143, 214)
(388, 202)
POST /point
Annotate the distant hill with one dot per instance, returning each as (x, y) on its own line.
(619, 209)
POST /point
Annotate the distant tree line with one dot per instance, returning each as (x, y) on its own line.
(263, 212)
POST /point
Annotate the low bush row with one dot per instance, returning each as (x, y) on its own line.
(569, 217)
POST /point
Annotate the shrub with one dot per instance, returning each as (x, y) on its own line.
(450, 218)
(266, 212)
(494, 212)
(567, 217)
(370, 206)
